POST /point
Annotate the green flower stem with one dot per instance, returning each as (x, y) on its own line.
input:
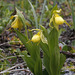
(26, 31)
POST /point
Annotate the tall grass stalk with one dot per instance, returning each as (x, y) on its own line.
(72, 10)
(34, 14)
(36, 4)
(40, 22)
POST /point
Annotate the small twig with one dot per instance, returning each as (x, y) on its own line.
(9, 42)
(11, 68)
(4, 43)
(68, 53)
(71, 38)
(15, 70)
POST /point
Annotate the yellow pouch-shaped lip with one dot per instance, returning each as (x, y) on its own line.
(36, 38)
(59, 20)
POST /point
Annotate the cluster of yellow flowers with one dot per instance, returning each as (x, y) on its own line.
(57, 19)
(36, 38)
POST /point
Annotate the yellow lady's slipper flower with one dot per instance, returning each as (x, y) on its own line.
(38, 37)
(16, 23)
(58, 19)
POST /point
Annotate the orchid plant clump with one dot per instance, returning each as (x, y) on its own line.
(45, 40)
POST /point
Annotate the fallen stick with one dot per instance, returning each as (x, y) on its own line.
(15, 70)
(68, 54)
(11, 68)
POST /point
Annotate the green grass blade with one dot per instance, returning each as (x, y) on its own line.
(42, 12)
(34, 14)
(72, 10)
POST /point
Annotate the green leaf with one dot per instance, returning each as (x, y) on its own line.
(54, 52)
(45, 72)
(35, 51)
(62, 60)
(45, 48)
(30, 63)
(38, 67)
(46, 61)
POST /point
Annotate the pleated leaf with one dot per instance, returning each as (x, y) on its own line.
(54, 52)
